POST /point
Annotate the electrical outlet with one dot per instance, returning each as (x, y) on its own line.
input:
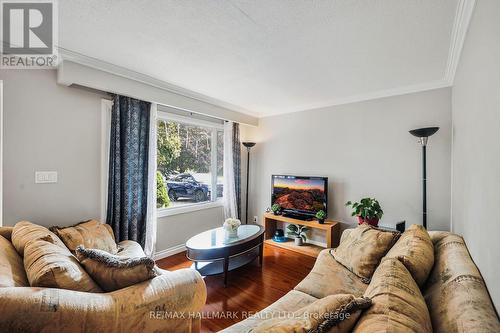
(255, 219)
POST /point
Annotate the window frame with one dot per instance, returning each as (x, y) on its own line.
(214, 127)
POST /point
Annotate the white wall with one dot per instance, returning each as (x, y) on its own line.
(174, 231)
(52, 127)
(476, 143)
(365, 150)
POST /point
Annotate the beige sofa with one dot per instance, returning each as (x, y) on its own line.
(167, 303)
(455, 292)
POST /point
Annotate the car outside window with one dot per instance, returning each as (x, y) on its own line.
(189, 162)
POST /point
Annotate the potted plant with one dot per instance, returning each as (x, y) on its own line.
(321, 215)
(367, 210)
(276, 209)
(298, 233)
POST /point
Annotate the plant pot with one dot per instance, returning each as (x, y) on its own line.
(371, 221)
(298, 241)
(277, 213)
(321, 221)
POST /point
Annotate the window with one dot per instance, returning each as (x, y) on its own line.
(189, 163)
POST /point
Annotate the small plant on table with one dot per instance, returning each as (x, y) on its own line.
(297, 232)
(276, 209)
(321, 215)
(367, 210)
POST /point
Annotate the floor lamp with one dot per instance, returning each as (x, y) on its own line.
(249, 145)
(423, 134)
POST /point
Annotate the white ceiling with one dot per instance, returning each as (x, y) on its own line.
(268, 57)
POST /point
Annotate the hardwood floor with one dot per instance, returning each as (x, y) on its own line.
(250, 288)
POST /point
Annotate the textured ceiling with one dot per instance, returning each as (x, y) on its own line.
(269, 56)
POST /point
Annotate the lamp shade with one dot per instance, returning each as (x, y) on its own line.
(248, 144)
(424, 132)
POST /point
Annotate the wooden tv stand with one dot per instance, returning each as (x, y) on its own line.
(332, 229)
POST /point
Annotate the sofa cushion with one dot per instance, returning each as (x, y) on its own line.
(361, 251)
(415, 250)
(114, 272)
(52, 266)
(291, 302)
(455, 292)
(333, 314)
(12, 272)
(130, 249)
(25, 232)
(328, 277)
(91, 234)
(397, 304)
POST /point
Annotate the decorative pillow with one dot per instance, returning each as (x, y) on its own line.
(416, 251)
(25, 232)
(114, 272)
(361, 250)
(91, 234)
(397, 304)
(51, 266)
(333, 314)
(12, 272)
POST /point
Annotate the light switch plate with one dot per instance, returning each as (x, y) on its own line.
(45, 177)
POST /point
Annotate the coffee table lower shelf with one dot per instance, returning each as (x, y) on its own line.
(206, 268)
(307, 249)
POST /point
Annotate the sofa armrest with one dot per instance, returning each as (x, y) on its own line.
(173, 297)
(6, 232)
(167, 303)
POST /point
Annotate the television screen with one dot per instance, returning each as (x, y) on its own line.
(300, 195)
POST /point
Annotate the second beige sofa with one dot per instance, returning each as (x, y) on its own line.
(455, 292)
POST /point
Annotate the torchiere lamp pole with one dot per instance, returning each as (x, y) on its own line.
(423, 134)
(249, 145)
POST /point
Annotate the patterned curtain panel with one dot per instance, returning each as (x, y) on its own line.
(128, 169)
(237, 166)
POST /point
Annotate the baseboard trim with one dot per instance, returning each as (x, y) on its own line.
(169, 252)
(181, 248)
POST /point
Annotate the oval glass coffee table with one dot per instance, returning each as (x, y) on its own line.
(213, 253)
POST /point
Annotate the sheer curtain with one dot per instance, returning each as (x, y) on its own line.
(229, 188)
(237, 166)
(150, 243)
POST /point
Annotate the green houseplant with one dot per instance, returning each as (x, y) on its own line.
(321, 215)
(367, 210)
(276, 209)
(297, 232)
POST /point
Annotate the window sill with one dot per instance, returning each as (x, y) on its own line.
(163, 212)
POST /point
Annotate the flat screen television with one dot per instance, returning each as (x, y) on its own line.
(299, 196)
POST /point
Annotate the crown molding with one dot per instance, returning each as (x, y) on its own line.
(463, 15)
(68, 55)
(369, 96)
